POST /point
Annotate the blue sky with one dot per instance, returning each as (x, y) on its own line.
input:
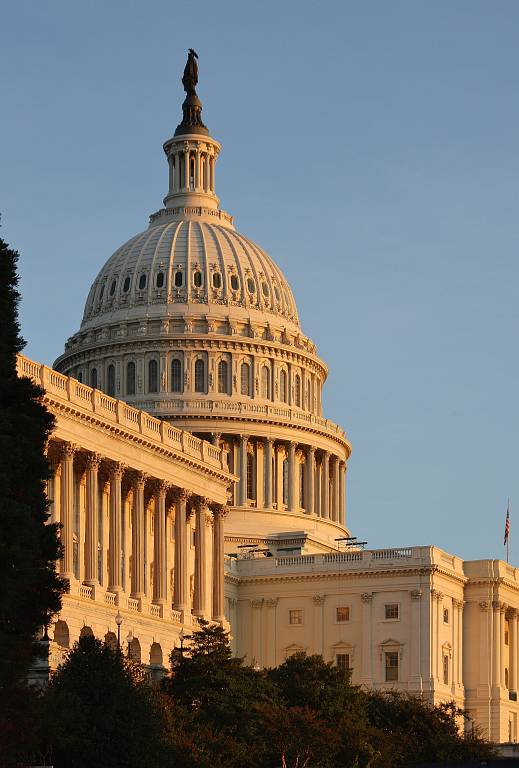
(372, 148)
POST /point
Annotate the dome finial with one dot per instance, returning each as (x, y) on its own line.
(192, 106)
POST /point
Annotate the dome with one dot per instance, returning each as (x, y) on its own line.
(190, 266)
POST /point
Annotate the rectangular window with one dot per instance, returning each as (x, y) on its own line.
(391, 666)
(391, 610)
(445, 615)
(446, 669)
(295, 616)
(343, 661)
(342, 613)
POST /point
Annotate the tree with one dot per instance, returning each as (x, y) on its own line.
(98, 710)
(30, 588)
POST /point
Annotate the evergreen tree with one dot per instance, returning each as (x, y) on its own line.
(30, 589)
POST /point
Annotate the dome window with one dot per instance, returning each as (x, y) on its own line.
(234, 282)
(265, 289)
(178, 279)
(112, 287)
(197, 279)
(159, 281)
(276, 293)
(126, 285)
(153, 376)
(223, 377)
(200, 376)
(251, 285)
(176, 375)
(110, 381)
(130, 378)
(217, 280)
(245, 379)
(142, 282)
(101, 292)
(93, 378)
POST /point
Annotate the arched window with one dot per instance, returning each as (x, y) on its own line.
(197, 279)
(265, 382)
(298, 390)
(245, 378)
(222, 377)
(199, 376)
(153, 376)
(112, 287)
(251, 485)
(159, 282)
(130, 378)
(217, 280)
(126, 285)
(283, 386)
(235, 282)
(142, 282)
(110, 381)
(93, 378)
(176, 375)
(178, 279)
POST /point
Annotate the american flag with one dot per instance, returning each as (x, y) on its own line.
(507, 523)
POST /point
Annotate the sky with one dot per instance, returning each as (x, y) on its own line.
(371, 147)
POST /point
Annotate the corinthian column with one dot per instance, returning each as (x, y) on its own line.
(267, 449)
(91, 535)
(325, 503)
(512, 619)
(496, 660)
(242, 488)
(67, 509)
(114, 545)
(138, 537)
(159, 546)
(310, 480)
(342, 493)
(219, 513)
(200, 601)
(180, 597)
(292, 484)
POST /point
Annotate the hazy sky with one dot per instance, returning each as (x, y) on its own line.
(372, 148)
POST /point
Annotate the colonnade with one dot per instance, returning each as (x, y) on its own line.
(498, 627)
(85, 488)
(199, 162)
(275, 474)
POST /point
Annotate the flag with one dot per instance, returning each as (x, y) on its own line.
(507, 523)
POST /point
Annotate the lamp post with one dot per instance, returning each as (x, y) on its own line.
(129, 639)
(118, 621)
(181, 636)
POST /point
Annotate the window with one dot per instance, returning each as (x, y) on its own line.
(222, 377)
(283, 386)
(159, 281)
(251, 486)
(112, 287)
(343, 661)
(126, 285)
(445, 615)
(153, 376)
(197, 279)
(251, 285)
(342, 613)
(79, 377)
(101, 292)
(276, 293)
(235, 282)
(217, 280)
(265, 289)
(265, 382)
(93, 378)
(446, 669)
(199, 376)
(295, 616)
(298, 390)
(110, 381)
(130, 378)
(142, 282)
(176, 375)
(391, 610)
(245, 378)
(391, 664)
(178, 279)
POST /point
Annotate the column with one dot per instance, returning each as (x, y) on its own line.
(211, 173)
(496, 643)
(512, 640)
(197, 170)
(186, 166)
(342, 493)
(336, 491)
(268, 446)
(460, 642)
(200, 601)
(171, 173)
(219, 512)
(137, 587)
(115, 542)
(439, 623)
(325, 503)
(242, 485)
(319, 624)
(502, 642)
(159, 546)
(177, 172)
(310, 480)
(415, 672)
(256, 606)
(292, 479)
(180, 596)
(280, 458)
(67, 508)
(270, 632)
(318, 488)
(91, 534)
(366, 673)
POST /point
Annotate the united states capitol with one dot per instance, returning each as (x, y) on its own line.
(196, 477)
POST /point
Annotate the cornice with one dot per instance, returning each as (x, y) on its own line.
(328, 575)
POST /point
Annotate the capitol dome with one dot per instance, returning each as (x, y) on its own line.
(194, 323)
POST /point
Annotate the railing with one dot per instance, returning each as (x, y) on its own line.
(298, 560)
(133, 604)
(86, 591)
(176, 616)
(110, 598)
(117, 410)
(391, 554)
(156, 610)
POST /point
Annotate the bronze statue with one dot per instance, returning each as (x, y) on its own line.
(190, 76)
